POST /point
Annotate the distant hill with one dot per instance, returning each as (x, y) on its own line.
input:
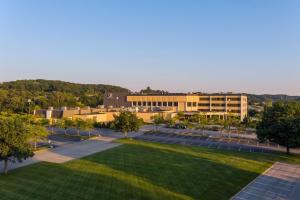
(41, 85)
(260, 99)
(14, 95)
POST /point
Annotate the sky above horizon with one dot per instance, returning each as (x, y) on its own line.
(175, 45)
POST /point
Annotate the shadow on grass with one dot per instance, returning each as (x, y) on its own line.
(138, 170)
(180, 170)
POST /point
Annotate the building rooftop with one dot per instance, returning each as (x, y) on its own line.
(188, 94)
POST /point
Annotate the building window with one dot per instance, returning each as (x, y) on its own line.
(149, 103)
(204, 98)
(194, 104)
(218, 110)
(235, 111)
(218, 99)
(189, 104)
(204, 104)
(159, 104)
(144, 103)
(234, 105)
(134, 103)
(175, 104)
(203, 110)
(154, 103)
(170, 104)
(218, 104)
(234, 99)
(139, 103)
(165, 104)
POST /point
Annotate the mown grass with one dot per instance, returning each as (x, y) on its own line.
(141, 170)
(78, 137)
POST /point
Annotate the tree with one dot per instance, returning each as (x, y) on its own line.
(247, 121)
(37, 132)
(157, 120)
(36, 129)
(65, 124)
(87, 125)
(180, 116)
(14, 140)
(202, 122)
(281, 124)
(79, 124)
(171, 122)
(230, 121)
(127, 122)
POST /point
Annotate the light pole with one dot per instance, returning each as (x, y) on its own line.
(29, 105)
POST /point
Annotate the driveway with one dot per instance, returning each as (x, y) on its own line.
(281, 181)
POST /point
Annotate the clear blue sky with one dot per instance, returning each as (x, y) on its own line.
(210, 46)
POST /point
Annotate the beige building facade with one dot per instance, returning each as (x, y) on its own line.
(222, 105)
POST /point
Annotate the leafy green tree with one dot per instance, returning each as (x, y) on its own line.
(171, 122)
(14, 140)
(14, 95)
(180, 116)
(68, 123)
(157, 120)
(87, 125)
(127, 122)
(44, 122)
(281, 124)
(37, 132)
(203, 121)
(79, 124)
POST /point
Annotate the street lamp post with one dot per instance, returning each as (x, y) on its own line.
(29, 105)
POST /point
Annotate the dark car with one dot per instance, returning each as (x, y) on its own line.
(180, 126)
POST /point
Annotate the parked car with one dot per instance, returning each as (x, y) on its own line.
(180, 126)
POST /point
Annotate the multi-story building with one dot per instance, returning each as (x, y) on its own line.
(221, 105)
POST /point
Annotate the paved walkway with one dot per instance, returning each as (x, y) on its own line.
(281, 181)
(67, 152)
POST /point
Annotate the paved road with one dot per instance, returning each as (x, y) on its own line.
(69, 151)
(281, 181)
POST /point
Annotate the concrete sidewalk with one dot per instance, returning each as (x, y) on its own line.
(67, 152)
(281, 181)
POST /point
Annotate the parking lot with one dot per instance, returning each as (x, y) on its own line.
(225, 143)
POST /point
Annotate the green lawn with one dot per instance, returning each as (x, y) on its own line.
(140, 170)
(79, 137)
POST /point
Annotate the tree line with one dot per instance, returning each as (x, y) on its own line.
(44, 93)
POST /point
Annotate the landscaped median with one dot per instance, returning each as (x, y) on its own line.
(141, 170)
(74, 137)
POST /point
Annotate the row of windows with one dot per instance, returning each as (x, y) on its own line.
(204, 98)
(234, 111)
(234, 105)
(218, 110)
(234, 99)
(203, 110)
(159, 104)
(193, 104)
(204, 104)
(218, 104)
(220, 99)
(189, 104)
